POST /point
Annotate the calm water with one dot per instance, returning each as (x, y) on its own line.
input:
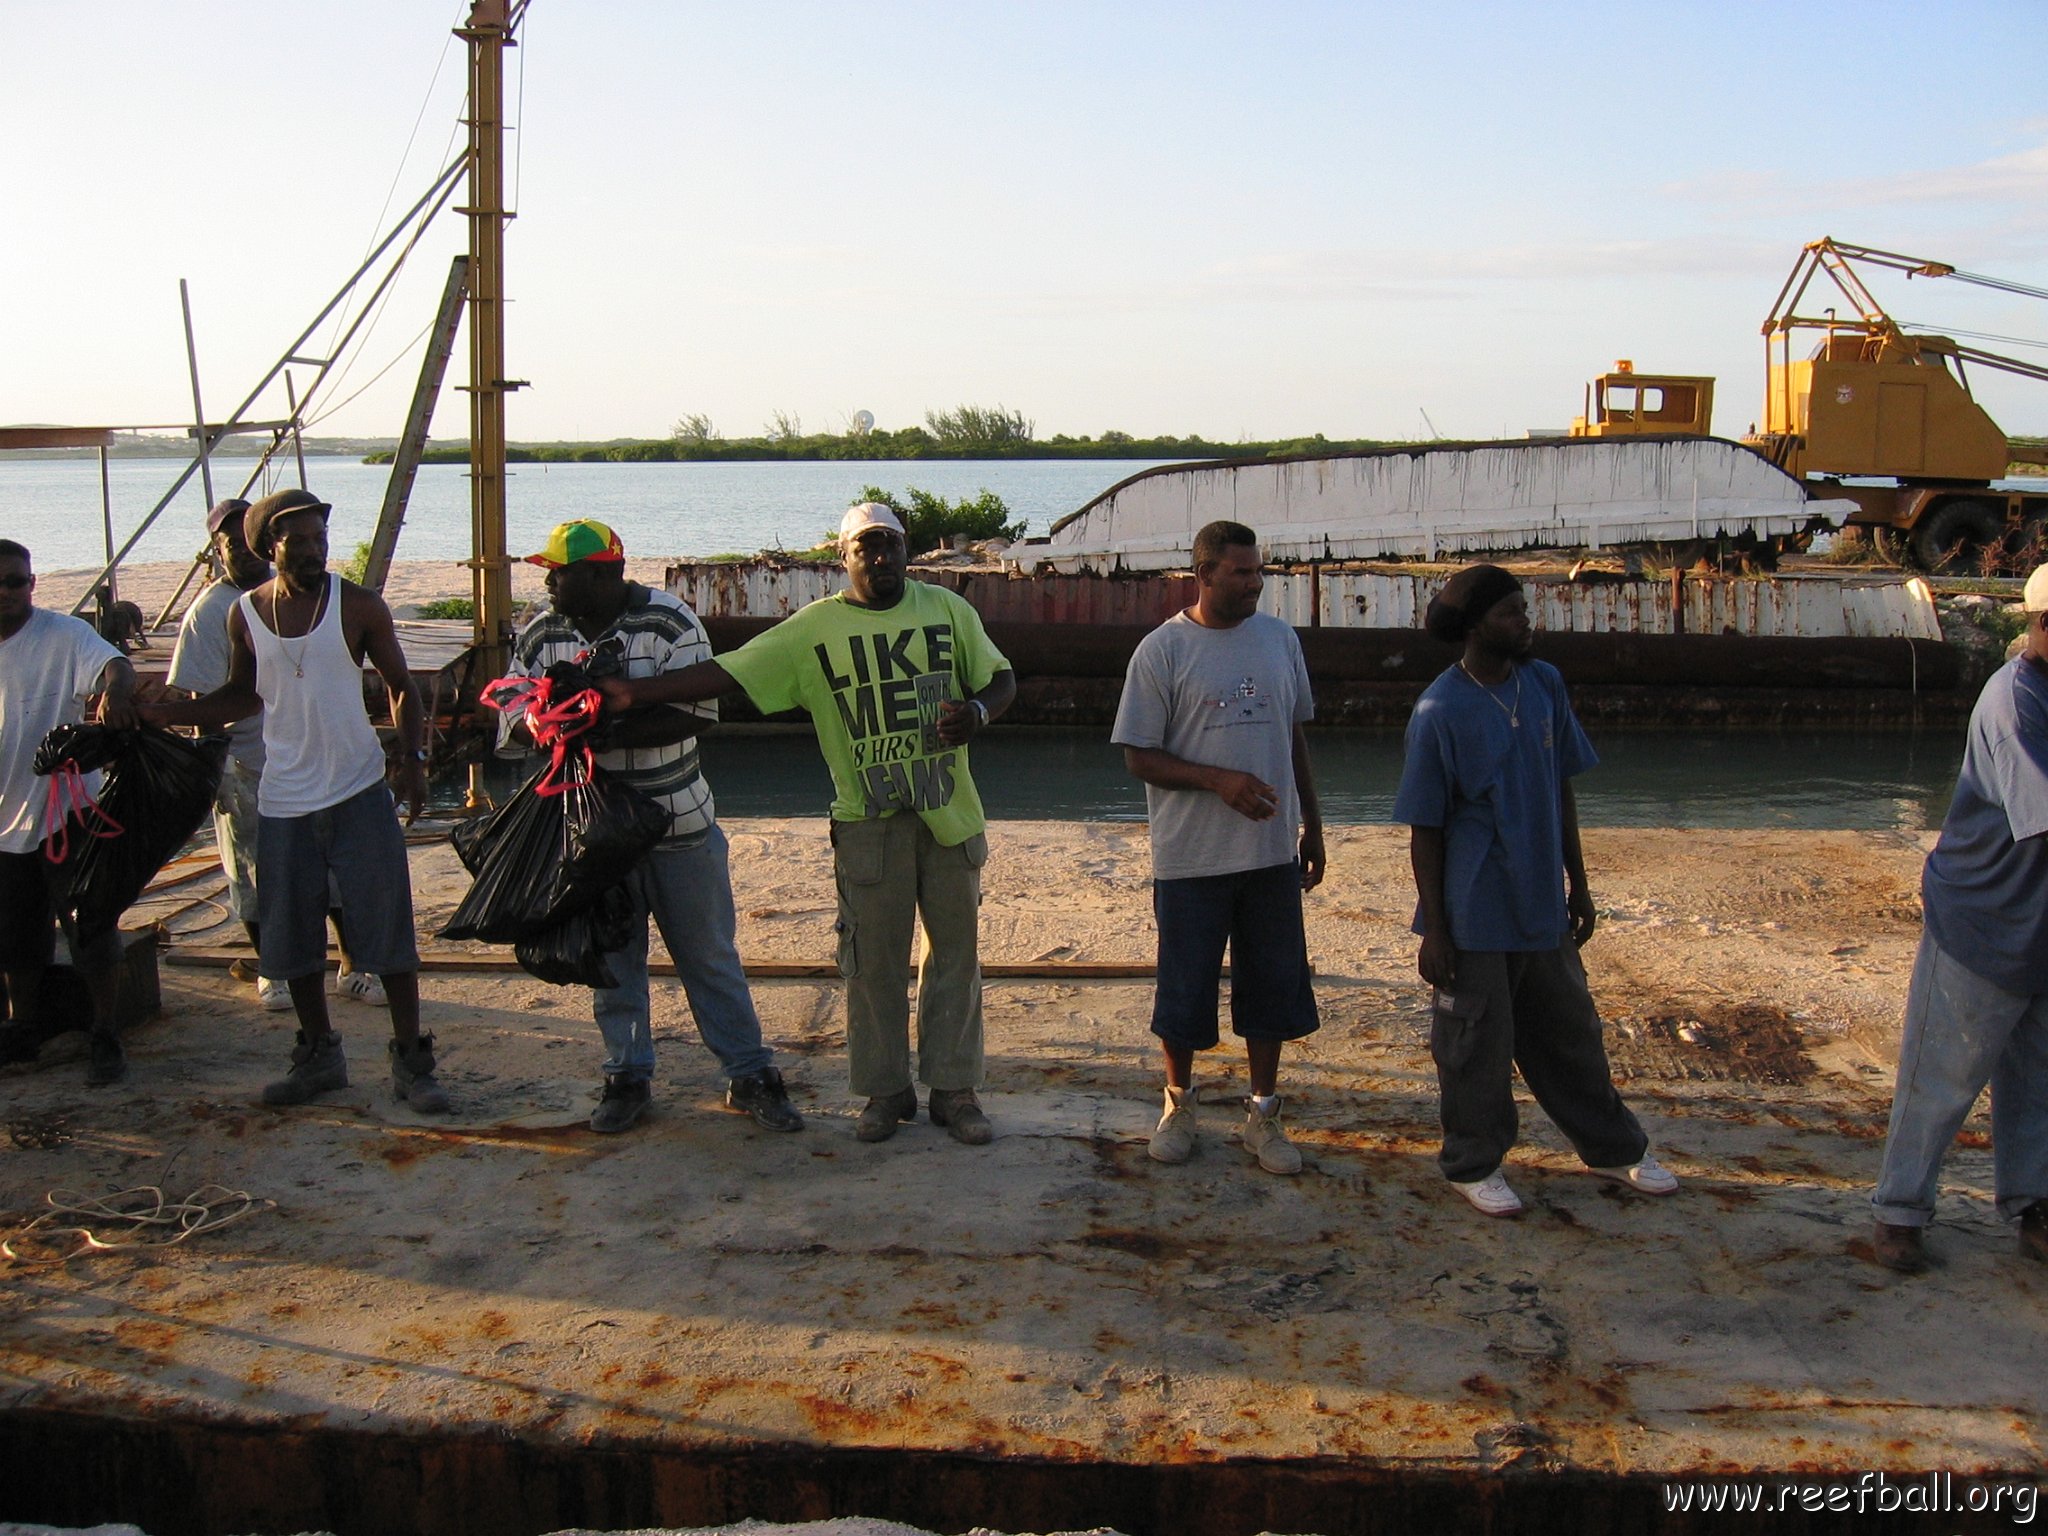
(1894, 782)
(1745, 780)
(53, 505)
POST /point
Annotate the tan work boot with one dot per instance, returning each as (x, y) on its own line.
(1173, 1139)
(1266, 1139)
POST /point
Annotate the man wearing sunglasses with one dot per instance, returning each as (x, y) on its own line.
(50, 665)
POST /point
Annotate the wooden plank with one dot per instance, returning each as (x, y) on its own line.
(778, 970)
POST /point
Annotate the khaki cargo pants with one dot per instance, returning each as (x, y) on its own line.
(891, 873)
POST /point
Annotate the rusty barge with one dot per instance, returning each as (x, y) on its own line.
(1689, 649)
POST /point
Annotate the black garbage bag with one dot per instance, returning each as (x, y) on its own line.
(158, 789)
(608, 828)
(571, 953)
(540, 859)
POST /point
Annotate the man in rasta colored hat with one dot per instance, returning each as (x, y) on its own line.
(685, 882)
(898, 676)
(1504, 905)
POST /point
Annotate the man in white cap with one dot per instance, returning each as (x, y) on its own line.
(1977, 1007)
(898, 677)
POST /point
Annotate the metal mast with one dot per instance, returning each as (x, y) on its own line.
(488, 33)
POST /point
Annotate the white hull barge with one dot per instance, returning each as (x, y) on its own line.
(1446, 499)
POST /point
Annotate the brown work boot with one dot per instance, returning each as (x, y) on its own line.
(1899, 1248)
(879, 1120)
(2034, 1231)
(959, 1112)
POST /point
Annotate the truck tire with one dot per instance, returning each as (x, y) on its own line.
(1952, 539)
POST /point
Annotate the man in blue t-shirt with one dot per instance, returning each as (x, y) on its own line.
(1977, 1007)
(1504, 906)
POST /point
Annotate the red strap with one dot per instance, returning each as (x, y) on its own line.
(68, 797)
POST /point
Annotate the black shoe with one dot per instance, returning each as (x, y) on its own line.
(625, 1101)
(318, 1066)
(960, 1113)
(1898, 1248)
(764, 1097)
(108, 1063)
(2034, 1231)
(879, 1120)
(20, 1042)
(412, 1076)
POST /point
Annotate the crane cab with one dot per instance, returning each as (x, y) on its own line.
(1625, 403)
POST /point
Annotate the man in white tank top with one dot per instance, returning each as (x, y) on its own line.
(324, 812)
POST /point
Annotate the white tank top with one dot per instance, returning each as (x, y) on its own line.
(318, 744)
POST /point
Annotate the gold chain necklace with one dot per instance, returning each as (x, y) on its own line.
(306, 640)
(1514, 715)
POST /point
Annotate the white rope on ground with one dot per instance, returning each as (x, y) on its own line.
(131, 1218)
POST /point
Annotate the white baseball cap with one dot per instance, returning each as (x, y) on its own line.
(2035, 598)
(872, 514)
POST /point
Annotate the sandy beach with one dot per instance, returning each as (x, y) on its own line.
(410, 583)
(503, 1278)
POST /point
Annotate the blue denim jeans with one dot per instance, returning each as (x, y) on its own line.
(688, 891)
(1961, 1033)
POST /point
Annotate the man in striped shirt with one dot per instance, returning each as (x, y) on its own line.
(684, 883)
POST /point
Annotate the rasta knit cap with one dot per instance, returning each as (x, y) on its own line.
(257, 520)
(1464, 600)
(583, 539)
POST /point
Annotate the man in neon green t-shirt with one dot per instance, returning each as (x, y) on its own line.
(898, 677)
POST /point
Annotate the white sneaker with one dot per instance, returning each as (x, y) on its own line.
(1649, 1176)
(362, 987)
(274, 995)
(1491, 1195)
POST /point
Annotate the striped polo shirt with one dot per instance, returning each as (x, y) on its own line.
(655, 634)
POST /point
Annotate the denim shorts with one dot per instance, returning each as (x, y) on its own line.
(1257, 912)
(361, 847)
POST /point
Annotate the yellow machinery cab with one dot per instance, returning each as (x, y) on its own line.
(1625, 403)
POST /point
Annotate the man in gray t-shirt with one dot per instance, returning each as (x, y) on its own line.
(1210, 720)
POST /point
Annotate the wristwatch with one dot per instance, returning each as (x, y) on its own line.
(418, 754)
(979, 708)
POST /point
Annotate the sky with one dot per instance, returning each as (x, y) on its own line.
(1237, 220)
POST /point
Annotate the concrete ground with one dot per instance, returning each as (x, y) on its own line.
(703, 1284)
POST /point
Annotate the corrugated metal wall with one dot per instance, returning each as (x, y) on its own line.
(1783, 607)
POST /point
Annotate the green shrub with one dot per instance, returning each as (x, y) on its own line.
(932, 522)
(449, 608)
(357, 566)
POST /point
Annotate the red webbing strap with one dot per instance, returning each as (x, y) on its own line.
(68, 797)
